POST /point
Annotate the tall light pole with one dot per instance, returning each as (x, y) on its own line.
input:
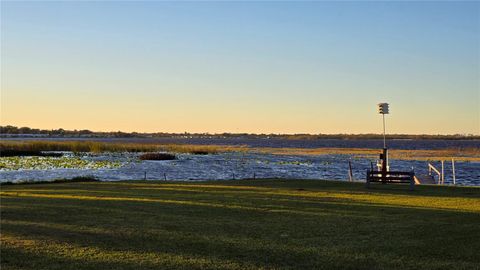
(383, 109)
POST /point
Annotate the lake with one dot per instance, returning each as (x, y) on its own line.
(240, 165)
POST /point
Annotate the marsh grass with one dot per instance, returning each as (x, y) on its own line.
(262, 224)
(460, 154)
(98, 147)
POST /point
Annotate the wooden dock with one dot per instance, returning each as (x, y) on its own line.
(424, 179)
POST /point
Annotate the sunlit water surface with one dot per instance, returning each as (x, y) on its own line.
(237, 166)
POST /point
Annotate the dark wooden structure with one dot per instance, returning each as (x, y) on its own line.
(390, 177)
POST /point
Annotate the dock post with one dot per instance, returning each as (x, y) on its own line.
(443, 174)
(453, 171)
(350, 173)
(412, 180)
(367, 181)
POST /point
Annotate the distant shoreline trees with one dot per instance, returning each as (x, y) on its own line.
(13, 131)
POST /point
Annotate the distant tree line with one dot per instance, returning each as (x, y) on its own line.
(6, 131)
(61, 132)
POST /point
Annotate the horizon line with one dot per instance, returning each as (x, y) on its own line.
(242, 133)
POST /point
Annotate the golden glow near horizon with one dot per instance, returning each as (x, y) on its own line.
(147, 115)
(241, 67)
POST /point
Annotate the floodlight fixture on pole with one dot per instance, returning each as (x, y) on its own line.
(383, 109)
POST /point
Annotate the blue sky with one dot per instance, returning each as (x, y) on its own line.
(282, 67)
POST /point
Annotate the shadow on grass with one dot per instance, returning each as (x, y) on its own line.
(240, 238)
(213, 250)
(78, 179)
(321, 185)
(93, 258)
(274, 184)
(253, 201)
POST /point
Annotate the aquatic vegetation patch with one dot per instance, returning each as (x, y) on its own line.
(286, 162)
(48, 163)
(294, 162)
(157, 156)
(15, 152)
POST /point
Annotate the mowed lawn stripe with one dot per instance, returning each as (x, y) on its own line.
(261, 224)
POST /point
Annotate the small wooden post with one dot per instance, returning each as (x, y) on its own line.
(233, 176)
(144, 175)
(453, 171)
(165, 176)
(350, 173)
(254, 176)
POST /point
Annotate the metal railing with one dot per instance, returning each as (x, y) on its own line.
(441, 176)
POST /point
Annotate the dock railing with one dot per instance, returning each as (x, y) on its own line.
(441, 177)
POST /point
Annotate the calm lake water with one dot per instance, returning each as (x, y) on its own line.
(249, 165)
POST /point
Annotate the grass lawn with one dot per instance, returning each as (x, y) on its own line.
(262, 224)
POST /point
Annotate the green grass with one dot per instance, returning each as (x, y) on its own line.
(263, 224)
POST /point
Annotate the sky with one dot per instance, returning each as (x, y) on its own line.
(256, 67)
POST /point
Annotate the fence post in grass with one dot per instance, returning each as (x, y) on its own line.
(453, 171)
(145, 175)
(165, 176)
(254, 176)
(350, 173)
(233, 176)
